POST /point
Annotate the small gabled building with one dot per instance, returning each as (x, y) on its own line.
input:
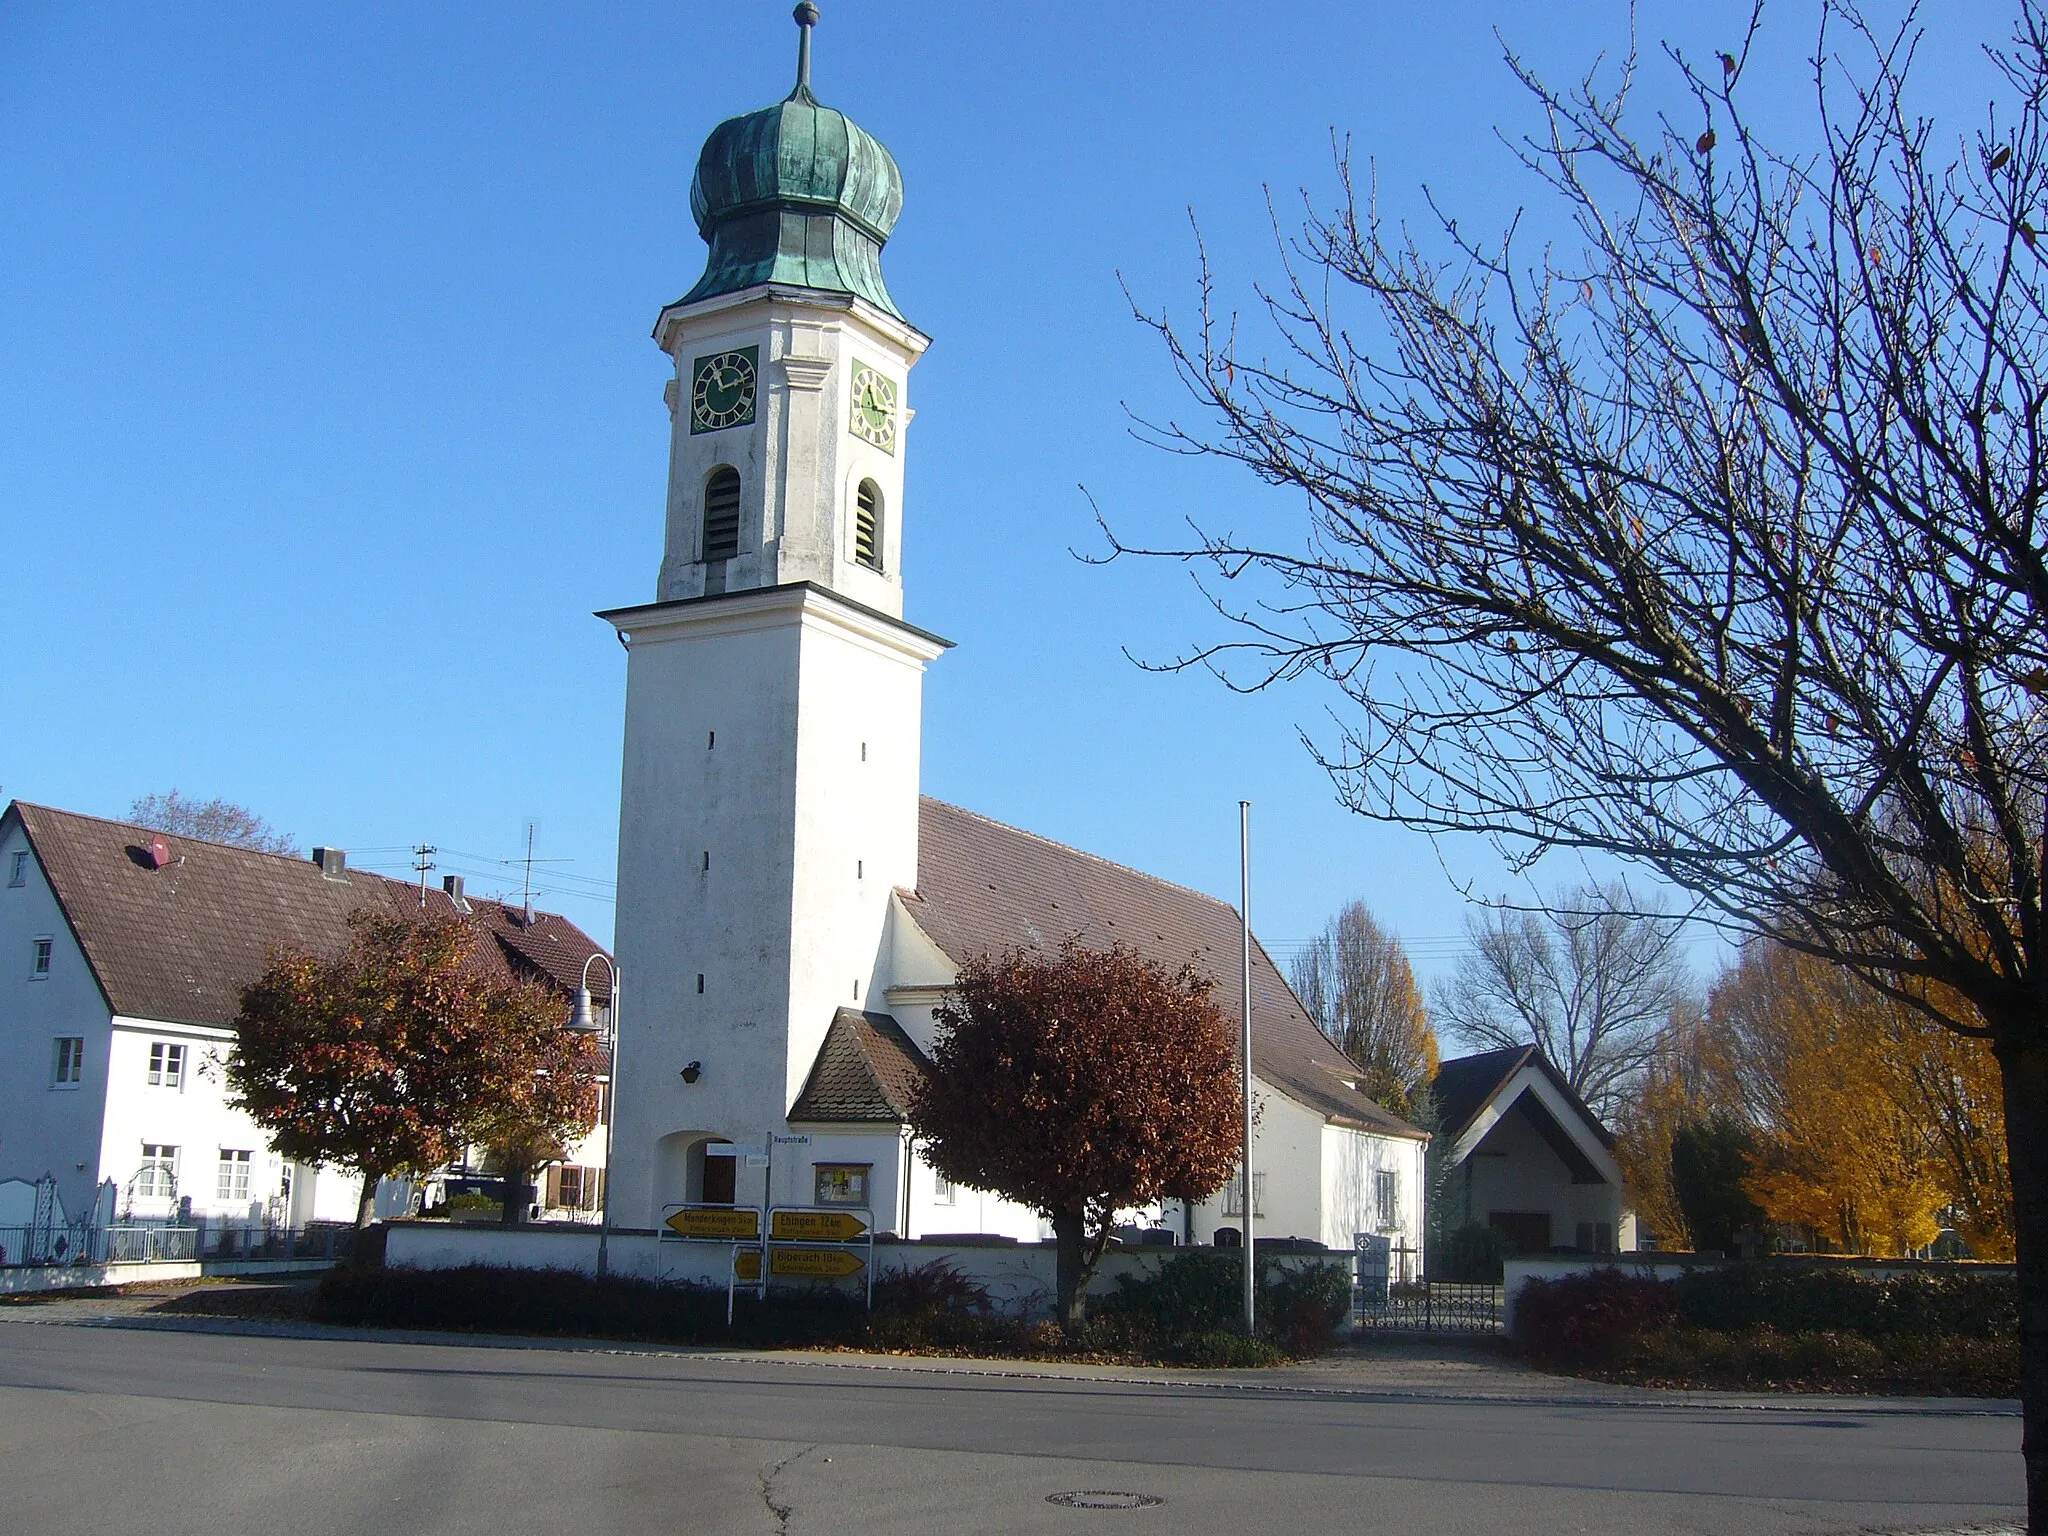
(123, 953)
(1527, 1157)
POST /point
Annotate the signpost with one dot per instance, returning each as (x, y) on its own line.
(719, 1223)
(817, 1242)
(814, 1226)
(832, 1263)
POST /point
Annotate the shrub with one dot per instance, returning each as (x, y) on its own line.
(1586, 1317)
(1200, 1293)
(1823, 1360)
(1827, 1298)
(1218, 1349)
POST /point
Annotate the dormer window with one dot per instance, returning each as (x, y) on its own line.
(867, 525)
(722, 514)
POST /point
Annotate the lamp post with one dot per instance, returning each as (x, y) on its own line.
(581, 1021)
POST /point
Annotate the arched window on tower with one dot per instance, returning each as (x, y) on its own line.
(867, 525)
(722, 514)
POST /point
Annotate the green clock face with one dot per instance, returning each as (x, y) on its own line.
(722, 390)
(874, 408)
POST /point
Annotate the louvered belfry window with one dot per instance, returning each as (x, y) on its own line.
(867, 525)
(722, 514)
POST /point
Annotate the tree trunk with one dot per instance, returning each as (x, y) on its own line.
(366, 1207)
(1069, 1230)
(512, 1210)
(2023, 1079)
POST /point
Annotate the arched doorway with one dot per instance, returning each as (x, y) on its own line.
(684, 1175)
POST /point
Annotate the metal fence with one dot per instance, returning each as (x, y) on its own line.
(151, 1245)
(1392, 1293)
(65, 1245)
(1432, 1306)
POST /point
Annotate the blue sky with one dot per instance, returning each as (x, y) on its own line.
(328, 410)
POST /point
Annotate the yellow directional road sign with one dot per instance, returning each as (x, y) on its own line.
(834, 1263)
(746, 1264)
(815, 1227)
(717, 1221)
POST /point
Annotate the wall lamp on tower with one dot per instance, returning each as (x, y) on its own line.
(693, 1071)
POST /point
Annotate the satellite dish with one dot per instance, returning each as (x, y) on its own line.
(159, 851)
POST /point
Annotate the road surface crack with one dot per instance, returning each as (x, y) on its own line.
(779, 1508)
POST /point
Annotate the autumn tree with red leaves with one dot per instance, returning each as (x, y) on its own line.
(1081, 1083)
(542, 1092)
(388, 1057)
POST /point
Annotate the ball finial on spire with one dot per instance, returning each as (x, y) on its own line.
(806, 18)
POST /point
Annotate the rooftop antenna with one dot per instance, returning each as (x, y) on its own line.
(423, 861)
(526, 900)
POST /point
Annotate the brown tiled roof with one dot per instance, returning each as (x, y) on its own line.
(179, 943)
(1465, 1085)
(867, 1070)
(983, 888)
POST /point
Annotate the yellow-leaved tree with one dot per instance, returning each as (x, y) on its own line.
(1826, 1070)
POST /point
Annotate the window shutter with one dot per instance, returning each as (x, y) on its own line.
(867, 520)
(722, 514)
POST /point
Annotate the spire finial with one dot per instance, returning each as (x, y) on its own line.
(806, 18)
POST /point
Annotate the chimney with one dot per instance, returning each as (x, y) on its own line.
(452, 884)
(333, 863)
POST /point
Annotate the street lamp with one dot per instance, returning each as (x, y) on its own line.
(581, 1021)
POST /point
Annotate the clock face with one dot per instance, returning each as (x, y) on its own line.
(874, 408)
(722, 391)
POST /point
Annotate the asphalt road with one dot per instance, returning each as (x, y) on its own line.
(110, 1431)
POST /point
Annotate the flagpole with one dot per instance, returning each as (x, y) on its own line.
(1244, 864)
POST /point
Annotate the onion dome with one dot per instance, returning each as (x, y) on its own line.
(796, 193)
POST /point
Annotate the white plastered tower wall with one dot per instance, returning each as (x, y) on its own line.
(800, 466)
(773, 727)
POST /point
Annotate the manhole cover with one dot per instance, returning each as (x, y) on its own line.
(1104, 1498)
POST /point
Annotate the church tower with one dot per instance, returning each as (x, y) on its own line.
(769, 802)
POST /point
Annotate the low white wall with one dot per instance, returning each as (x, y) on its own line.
(23, 1279)
(1019, 1277)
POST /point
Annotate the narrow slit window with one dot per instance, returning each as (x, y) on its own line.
(722, 514)
(867, 525)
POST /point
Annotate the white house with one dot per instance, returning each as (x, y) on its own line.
(122, 956)
(1528, 1158)
(791, 911)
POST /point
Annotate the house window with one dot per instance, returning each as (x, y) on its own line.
(722, 514)
(867, 525)
(1386, 1189)
(1596, 1237)
(39, 959)
(1233, 1195)
(69, 1066)
(841, 1183)
(575, 1188)
(942, 1189)
(17, 867)
(234, 1174)
(158, 1175)
(166, 1065)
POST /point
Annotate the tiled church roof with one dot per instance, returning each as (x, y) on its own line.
(983, 888)
(179, 943)
(867, 1070)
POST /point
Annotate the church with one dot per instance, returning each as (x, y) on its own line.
(791, 909)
